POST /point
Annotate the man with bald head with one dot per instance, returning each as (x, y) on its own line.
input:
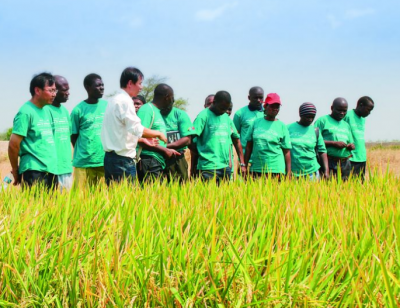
(338, 138)
(153, 158)
(215, 133)
(356, 120)
(246, 115)
(62, 133)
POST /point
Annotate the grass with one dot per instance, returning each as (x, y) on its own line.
(255, 244)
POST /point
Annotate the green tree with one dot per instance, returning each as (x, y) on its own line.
(5, 136)
(8, 133)
(151, 83)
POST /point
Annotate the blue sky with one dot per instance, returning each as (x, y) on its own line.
(303, 50)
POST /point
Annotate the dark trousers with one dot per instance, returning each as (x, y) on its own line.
(358, 169)
(345, 167)
(257, 175)
(117, 168)
(149, 168)
(33, 177)
(219, 175)
(177, 169)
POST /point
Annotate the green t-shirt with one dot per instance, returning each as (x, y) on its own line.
(178, 125)
(37, 149)
(214, 141)
(357, 126)
(304, 142)
(269, 138)
(243, 120)
(146, 113)
(62, 138)
(87, 120)
(332, 130)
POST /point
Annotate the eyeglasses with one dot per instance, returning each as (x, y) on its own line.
(52, 91)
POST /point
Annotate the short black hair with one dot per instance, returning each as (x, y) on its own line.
(130, 73)
(255, 89)
(141, 98)
(89, 79)
(40, 81)
(162, 90)
(222, 96)
(364, 100)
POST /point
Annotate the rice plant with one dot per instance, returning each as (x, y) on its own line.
(258, 243)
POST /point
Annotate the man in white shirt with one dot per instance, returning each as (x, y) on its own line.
(122, 129)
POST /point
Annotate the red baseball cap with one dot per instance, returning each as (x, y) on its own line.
(272, 98)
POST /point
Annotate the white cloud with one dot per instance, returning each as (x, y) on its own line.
(209, 15)
(352, 14)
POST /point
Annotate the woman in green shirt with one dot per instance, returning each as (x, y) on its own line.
(268, 142)
(307, 143)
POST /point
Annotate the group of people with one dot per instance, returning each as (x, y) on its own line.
(128, 138)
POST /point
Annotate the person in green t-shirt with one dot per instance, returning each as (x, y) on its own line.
(194, 173)
(209, 101)
(229, 113)
(62, 133)
(356, 119)
(307, 143)
(87, 119)
(215, 133)
(338, 138)
(32, 137)
(179, 129)
(246, 115)
(268, 143)
(152, 158)
(138, 101)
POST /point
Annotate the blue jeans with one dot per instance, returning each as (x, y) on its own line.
(117, 167)
(223, 174)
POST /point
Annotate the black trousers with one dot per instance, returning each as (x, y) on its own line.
(358, 169)
(33, 177)
(335, 164)
(149, 168)
(177, 168)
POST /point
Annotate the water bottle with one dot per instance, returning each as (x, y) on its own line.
(7, 181)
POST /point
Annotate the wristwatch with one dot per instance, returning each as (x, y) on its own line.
(242, 165)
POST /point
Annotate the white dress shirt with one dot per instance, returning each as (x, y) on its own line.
(122, 128)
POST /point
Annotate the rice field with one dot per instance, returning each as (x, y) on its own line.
(242, 244)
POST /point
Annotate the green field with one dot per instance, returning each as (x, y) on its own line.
(255, 244)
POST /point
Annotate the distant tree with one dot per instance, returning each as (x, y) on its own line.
(181, 103)
(151, 83)
(8, 133)
(111, 94)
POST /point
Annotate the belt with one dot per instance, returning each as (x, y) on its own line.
(341, 159)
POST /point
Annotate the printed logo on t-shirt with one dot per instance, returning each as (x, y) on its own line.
(173, 136)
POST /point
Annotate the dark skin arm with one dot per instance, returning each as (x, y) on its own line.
(249, 150)
(325, 166)
(13, 152)
(179, 144)
(339, 145)
(74, 137)
(167, 153)
(239, 151)
(194, 157)
(288, 162)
